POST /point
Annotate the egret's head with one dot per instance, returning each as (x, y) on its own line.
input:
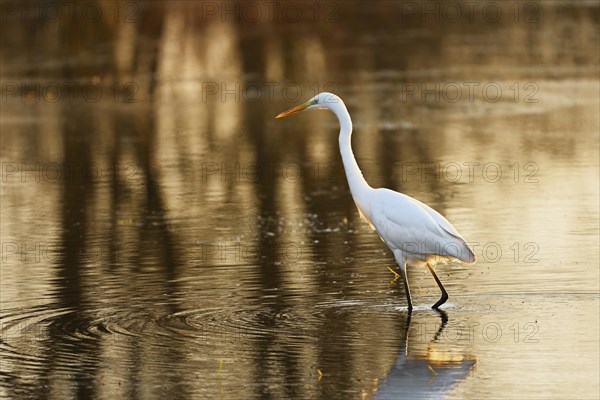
(325, 100)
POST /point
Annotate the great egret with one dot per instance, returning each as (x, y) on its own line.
(414, 232)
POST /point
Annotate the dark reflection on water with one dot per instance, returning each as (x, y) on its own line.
(424, 377)
(164, 237)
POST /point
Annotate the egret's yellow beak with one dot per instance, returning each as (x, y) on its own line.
(294, 110)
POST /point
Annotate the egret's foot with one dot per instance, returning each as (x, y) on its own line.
(444, 297)
(396, 275)
(441, 301)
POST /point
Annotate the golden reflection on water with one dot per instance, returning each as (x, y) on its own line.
(199, 247)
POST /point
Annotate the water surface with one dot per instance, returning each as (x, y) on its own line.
(168, 238)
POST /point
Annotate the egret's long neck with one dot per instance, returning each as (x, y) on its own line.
(358, 185)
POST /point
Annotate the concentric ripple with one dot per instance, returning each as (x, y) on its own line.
(30, 336)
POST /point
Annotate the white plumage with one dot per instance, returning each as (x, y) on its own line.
(414, 232)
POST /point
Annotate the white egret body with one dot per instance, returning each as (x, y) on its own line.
(414, 232)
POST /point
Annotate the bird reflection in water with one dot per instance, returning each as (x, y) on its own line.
(431, 375)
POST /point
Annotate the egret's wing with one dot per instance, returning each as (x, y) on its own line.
(440, 220)
(404, 222)
(465, 253)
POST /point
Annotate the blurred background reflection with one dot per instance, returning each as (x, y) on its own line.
(163, 236)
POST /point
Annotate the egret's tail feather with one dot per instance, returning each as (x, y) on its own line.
(462, 252)
(470, 256)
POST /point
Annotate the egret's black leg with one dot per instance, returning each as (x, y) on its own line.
(444, 297)
(406, 330)
(406, 288)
